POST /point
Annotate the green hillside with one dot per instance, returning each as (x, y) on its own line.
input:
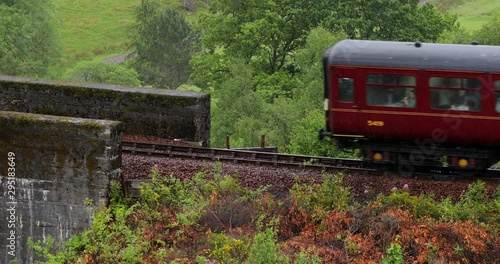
(97, 29)
(474, 13)
(94, 28)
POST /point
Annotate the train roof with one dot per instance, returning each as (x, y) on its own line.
(416, 55)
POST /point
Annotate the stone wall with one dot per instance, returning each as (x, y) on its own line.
(145, 111)
(54, 172)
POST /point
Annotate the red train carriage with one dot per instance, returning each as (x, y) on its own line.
(415, 104)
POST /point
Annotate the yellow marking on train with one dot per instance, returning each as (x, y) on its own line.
(375, 123)
(345, 135)
(444, 115)
(354, 67)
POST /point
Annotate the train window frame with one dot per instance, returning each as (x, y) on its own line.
(497, 96)
(462, 97)
(346, 89)
(390, 90)
(461, 84)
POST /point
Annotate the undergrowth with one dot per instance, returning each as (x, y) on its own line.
(211, 218)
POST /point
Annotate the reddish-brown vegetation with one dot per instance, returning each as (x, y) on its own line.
(359, 234)
(356, 218)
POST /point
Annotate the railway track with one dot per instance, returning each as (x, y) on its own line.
(244, 157)
(281, 160)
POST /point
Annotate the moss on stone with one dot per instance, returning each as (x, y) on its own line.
(91, 165)
(113, 102)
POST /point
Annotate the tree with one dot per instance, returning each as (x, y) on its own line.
(399, 20)
(163, 47)
(262, 32)
(456, 35)
(265, 34)
(299, 118)
(489, 34)
(29, 42)
(310, 91)
(237, 110)
(304, 138)
(429, 23)
(100, 72)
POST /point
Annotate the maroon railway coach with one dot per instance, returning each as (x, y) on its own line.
(415, 104)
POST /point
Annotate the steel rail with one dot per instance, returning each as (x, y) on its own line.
(275, 159)
(244, 157)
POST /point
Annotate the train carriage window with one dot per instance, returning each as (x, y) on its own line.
(445, 82)
(464, 95)
(346, 89)
(390, 90)
(453, 82)
(381, 79)
(407, 80)
(472, 83)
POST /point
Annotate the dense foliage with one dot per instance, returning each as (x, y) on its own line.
(397, 20)
(488, 34)
(164, 44)
(29, 43)
(211, 218)
(100, 72)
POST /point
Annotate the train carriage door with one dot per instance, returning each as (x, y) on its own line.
(345, 105)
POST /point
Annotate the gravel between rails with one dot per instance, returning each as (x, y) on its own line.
(280, 180)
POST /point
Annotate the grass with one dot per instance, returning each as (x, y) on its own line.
(94, 28)
(188, 87)
(98, 29)
(473, 14)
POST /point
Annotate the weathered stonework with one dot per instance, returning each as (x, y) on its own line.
(146, 111)
(59, 163)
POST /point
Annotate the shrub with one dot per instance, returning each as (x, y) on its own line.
(226, 249)
(319, 199)
(307, 257)
(394, 254)
(45, 250)
(474, 204)
(229, 205)
(265, 249)
(423, 205)
(100, 72)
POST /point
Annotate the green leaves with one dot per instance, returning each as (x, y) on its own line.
(164, 46)
(398, 20)
(100, 72)
(394, 254)
(489, 34)
(29, 43)
(258, 30)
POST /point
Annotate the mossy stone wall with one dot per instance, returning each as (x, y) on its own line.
(59, 163)
(146, 111)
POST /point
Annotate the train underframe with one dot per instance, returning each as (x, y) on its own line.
(408, 157)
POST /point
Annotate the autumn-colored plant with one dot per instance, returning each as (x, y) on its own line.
(216, 220)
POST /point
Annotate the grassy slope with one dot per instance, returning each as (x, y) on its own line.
(97, 29)
(473, 14)
(94, 28)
